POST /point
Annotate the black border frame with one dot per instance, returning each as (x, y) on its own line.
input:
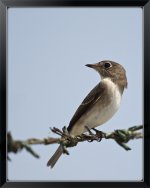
(4, 5)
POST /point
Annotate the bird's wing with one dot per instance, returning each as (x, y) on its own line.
(87, 103)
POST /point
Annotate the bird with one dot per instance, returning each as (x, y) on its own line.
(100, 104)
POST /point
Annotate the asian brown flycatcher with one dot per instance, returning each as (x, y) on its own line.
(100, 104)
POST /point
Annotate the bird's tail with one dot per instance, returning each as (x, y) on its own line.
(52, 161)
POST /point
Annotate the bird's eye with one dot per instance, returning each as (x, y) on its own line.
(107, 65)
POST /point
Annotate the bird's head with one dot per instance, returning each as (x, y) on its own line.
(112, 70)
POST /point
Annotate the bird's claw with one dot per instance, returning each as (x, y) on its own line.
(89, 131)
(99, 134)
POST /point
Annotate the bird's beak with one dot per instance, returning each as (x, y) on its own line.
(94, 66)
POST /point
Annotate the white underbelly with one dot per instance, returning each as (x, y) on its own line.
(100, 113)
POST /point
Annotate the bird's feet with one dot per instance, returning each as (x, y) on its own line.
(89, 131)
(98, 136)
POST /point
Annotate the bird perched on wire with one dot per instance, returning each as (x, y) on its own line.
(100, 104)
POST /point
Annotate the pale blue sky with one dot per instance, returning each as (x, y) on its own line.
(47, 80)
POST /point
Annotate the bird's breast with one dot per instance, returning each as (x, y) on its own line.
(102, 110)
